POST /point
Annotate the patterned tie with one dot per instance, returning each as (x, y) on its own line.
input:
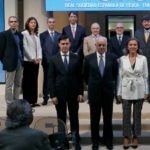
(65, 62)
(119, 40)
(101, 65)
(146, 36)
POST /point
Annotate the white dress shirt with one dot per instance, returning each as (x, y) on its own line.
(63, 56)
(103, 57)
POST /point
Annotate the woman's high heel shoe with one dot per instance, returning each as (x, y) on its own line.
(135, 143)
(126, 143)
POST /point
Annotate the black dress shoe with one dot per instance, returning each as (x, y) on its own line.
(95, 146)
(77, 146)
(44, 103)
(109, 146)
(35, 105)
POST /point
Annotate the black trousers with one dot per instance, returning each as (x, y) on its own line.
(73, 107)
(45, 81)
(104, 105)
(30, 82)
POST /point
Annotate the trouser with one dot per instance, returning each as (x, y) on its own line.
(45, 82)
(13, 85)
(30, 82)
(73, 107)
(132, 129)
(106, 106)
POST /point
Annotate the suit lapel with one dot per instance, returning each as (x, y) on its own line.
(106, 63)
(12, 36)
(95, 63)
(60, 62)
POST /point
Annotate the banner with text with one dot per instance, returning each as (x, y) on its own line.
(97, 5)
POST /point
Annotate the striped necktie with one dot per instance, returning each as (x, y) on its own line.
(101, 65)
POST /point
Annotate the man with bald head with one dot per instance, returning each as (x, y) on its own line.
(100, 73)
(89, 41)
(118, 42)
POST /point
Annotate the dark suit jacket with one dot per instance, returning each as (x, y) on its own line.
(98, 85)
(9, 50)
(24, 138)
(77, 42)
(145, 47)
(64, 83)
(49, 47)
(114, 46)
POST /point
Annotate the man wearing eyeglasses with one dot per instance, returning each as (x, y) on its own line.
(100, 74)
(11, 56)
(118, 42)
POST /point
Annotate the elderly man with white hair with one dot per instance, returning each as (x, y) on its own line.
(89, 41)
(100, 73)
(118, 42)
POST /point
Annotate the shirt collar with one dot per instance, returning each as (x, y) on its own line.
(63, 54)
(119, 35)
(103, 55)
(147, 30)
(73, 26)
(50, 31)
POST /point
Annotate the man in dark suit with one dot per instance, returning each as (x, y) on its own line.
(100, 73)
(11, 56)
(18, 135)
(49, 44)
(118, 42)
(76, 33)
(66, 85)
(144, 39)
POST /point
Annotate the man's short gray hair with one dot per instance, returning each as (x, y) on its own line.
(19, 113)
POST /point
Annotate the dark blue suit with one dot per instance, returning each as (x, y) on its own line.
(115, 47)
(66, 85)
(77, 42)
(101, 94)
(49, 48)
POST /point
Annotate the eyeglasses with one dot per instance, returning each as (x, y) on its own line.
(13, 21)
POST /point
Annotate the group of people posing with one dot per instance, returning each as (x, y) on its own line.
(118, 68)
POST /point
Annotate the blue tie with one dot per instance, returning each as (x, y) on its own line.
(101, 65)
(65, 62)
(52, 36)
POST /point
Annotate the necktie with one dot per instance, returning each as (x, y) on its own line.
(101, 65)
(73, 32)
(119, 40)
(65, 62)
(52, 36)
(146, 36)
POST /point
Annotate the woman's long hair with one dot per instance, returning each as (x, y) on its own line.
(27, 25)
(126, 51)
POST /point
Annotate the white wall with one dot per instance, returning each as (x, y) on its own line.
(10, 9)
(36, 8)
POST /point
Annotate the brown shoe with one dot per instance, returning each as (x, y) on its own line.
(126, 143)
(135, 143)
